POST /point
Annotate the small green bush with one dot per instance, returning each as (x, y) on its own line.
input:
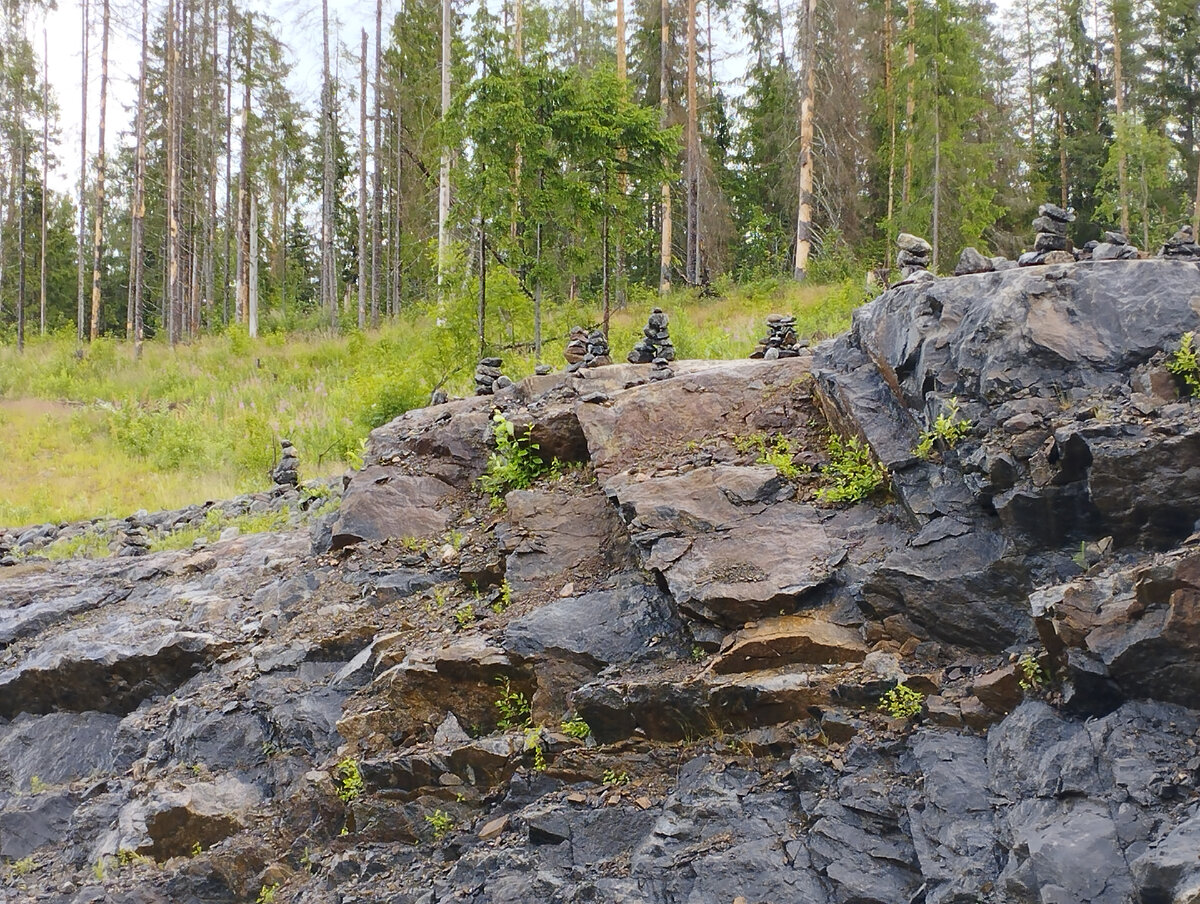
(851, 475)
(576, 728)
(514, 708)
(1033, 675)
(1185, 364)
(515, 464)
(945, 433)
(349, 779)
(902, 702)
(441, 822)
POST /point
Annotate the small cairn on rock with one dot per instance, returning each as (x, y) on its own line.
(488, 378)
(1181, 244)
(586, 349)
(1114, 247)
(6, 556)
(134, 542)
(287, 472)
(781, 339)
(914, 254)
(1050, 243)
(655, 342)
(660, 369)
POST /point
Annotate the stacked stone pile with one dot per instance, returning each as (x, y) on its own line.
(1114, 247)
(1181, 244)
(780, 341)
(134, 542)
(587, 350)
(973, 261)
(914, 254)
(1050, 243)
(661, 369)
(488, 378)
(287, 472)
(655, 342)
(6, 556)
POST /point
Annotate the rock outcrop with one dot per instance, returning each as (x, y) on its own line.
(672, 673)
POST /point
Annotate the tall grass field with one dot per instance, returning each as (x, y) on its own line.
(89, 431)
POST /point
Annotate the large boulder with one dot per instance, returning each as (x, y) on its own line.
(382, 504)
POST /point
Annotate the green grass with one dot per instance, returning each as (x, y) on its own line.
(91, 432)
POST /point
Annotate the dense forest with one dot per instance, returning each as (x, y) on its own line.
(496, 157)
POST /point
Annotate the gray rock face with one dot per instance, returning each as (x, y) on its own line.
(972, 261)
(379, 505)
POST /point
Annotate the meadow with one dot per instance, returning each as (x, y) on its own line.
(90, 431)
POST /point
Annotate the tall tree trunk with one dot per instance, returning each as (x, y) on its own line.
(252, 274)
(244, 187)
(172, 296)
(362, 188)
(937, 166)
(622, 179)
(1119, 99)
(228, 219)
(693, 154)
(664, 252)
(375, 175)
(98, 236)
(804, 228)
(22, 197)
(80, 315)
(443, 248)
(889, 100)
(138, 218)
(328, 270)
(1030, 84)
(910, 106)
(45, 178)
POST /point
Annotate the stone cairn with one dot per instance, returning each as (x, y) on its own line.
(781, 339)
(1181, 244)
(914, 254)
(1050, 243)
(287, 472)
(6, 556)
(660, 369)
(488, 378)
(586, 349)
(134, 542)
(655, 342)
(1113, 247)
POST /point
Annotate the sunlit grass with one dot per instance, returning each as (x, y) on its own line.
(92, 432)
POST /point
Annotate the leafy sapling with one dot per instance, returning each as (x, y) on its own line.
(947, 430)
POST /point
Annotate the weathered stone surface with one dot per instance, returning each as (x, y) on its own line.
(728, 544)
(552, 535)
(169, 824)
(34, 822)
(972, 261)
(78, 671)
(447, 441)
(789, 640)
(56, 748)
(380, 504)
(645, 422)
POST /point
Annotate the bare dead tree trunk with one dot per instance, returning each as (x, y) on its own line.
(664, 252)
(98, 236)
(252, 275)
(1119, 98)
(22, 195)
(444, 171)
(693, 154)
(328, 272)
(375, 175)
(804, 219)
(362, 188)
(80, 316)
(138, 219)
(910, 106)
(45, 178)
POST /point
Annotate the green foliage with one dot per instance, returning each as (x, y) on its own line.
(22, 867)
(777, 453)
(464, 615)
(216, 521)
(513, 706)
(515, 464)
(945, 433)
(851, 475)
(36, 785)
(535, 743)
(441, 822)
(1034, 676)
(576, 728)
(266, 894)
(85, 545)
(503, 598)
(612, 777)
(902, 702)
(1184, 364)
(349, 779)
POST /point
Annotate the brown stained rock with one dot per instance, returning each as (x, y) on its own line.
(788, 640)
(942, 712)
(999, 690)
(977, 716)
(463, 678)
(727, 541)
(444, 441)
(493, 828)
(380, 504)
(732, 397)
(556, 533)
(168, 824)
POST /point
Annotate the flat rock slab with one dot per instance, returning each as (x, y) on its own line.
(646, 423)
(78, 671)
(551, 536)
(631, 621)
(382, 504)
(56, 748)
(727, 541)
(444, 441)
(170, 823)
(789, 640)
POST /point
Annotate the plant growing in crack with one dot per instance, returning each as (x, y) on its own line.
(947, 430)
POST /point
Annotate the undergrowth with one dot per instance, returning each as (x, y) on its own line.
(852, 474)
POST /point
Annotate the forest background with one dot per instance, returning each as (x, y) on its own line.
(506, 170)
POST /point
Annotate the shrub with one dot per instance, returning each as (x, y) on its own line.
(576, 728)
(514, 708)
(945, 433)
(349, 779)
(901, 702)
(441, 822)
(515, 464)
(851, 475)
(1185, 365)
